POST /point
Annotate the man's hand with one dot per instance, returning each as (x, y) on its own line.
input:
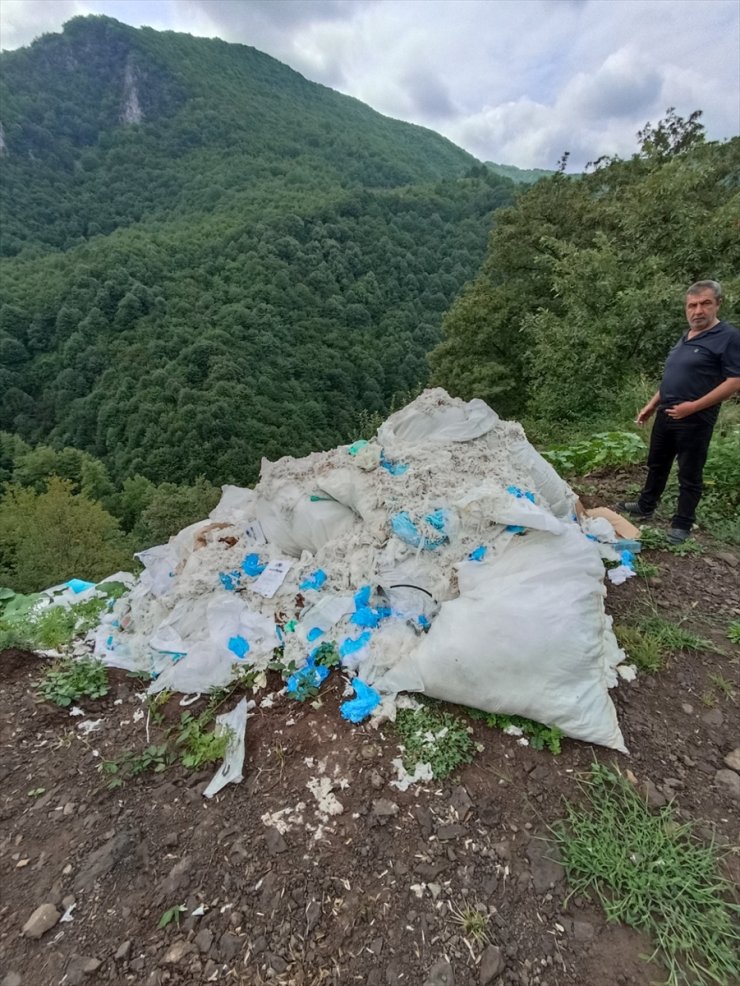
(681, 410)
(645, 413)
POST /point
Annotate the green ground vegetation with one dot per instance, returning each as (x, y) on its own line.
(654, 874)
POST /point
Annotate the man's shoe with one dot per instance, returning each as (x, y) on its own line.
(677, 535)
(632, 508)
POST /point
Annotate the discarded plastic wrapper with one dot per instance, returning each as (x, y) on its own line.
(361, 706)
(230, 771)
(311, 675)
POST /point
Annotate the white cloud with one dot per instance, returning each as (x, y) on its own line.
(515, 82)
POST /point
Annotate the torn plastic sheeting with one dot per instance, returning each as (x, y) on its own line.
(313, 634)
(355, 447)
(351, 646)
(315, 580)
(405, 529)
(253, 565)
(239, 646)
(361, 706)
(479, 553)
(230, 772)
(366, 616)
(394, 468)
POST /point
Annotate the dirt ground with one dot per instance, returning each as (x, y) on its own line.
(371, 888)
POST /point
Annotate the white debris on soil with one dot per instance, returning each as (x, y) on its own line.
(404, 780)
(285, 819)
(326, 803)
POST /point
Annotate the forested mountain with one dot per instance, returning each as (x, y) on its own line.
(581, 293)
(208, 259)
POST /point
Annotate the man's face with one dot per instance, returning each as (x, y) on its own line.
(701, 310)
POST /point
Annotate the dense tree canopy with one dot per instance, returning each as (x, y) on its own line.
(582, 287)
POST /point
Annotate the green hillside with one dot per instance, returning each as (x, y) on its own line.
(245, 271)
(521, 176)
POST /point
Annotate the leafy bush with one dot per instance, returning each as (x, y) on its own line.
(608, 448)
(64, 682)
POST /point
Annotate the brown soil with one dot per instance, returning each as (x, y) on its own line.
(377, 897)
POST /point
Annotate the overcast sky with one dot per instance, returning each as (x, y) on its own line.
(513, 81)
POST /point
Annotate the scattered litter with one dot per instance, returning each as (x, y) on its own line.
(67, 916)
(198, 912)
(76, 711)
(359, 708)
(627, 672)
(89, 726)
(404, 780)
(230, 772)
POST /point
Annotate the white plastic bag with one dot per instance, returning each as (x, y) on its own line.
(230, 771)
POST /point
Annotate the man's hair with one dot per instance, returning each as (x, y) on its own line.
(699, 287)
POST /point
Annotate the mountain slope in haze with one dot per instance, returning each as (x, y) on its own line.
(521, 176)
(245, 271)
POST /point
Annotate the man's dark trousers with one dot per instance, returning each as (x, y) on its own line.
(687, 441)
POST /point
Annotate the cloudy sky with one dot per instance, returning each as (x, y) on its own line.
(513, 81)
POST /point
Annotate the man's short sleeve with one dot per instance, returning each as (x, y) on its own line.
(731, 354)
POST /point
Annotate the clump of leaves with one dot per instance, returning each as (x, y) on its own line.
(68, 680)
(723, 685)
(432, 736)
(172, 914)
(154, 758)
(327, 655)
(608, 448)
(540, 736)
(653, 874)
(733, 631)
(198, 744)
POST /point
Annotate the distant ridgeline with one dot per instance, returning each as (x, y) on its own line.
(522, 176)
(207, 258)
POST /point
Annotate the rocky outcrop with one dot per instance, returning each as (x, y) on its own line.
(131, 110)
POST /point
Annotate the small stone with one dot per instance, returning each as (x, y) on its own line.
(728, 558)
(461, 801)
(654, 798)
(583, 930)
(43, 918)
(733, 759)
(545, 865)
(204, 940)
(729, 781)
(275, 842)
(123, 951)
(177, 952)
(383, 808)
(440, 974)
(688, 709)
(171, 840)
(79, 967)
(229, 946)
(492, 964)
(278, 964)
(313, 913)
(12, 979)
(445, 832)
(424, 818)
(177, 877)
(713, 718)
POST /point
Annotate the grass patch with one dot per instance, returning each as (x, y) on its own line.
(66, 681)
(733, 631)
(432, 736)
(655, 875)
(653, 639)
(642, 649)
(472, 921)
(540, 736)
(645, 569)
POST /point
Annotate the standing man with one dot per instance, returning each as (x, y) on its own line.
(701, 371)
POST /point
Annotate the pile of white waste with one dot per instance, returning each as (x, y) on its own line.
(442, 557)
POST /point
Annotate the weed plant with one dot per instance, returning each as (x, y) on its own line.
(655, 875)
(432, 736)
(472, 921)
(540, 736)
(608, 448)
(642, 650)
(733, 631)
(649, 643)
(198, 745)
(66, 681)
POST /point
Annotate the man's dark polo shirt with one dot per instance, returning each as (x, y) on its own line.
(696, 366)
